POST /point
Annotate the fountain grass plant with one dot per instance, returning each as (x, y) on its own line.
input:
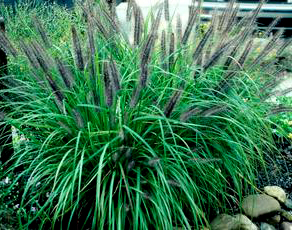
(159, 133)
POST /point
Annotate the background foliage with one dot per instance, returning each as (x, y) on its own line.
(164, 131)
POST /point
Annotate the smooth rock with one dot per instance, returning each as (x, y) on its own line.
(286, 226)
(224, 222)
(287, 215)
(260, 204)
(265, 226)
(277, 192)
(273, 220)
(288, 204)
(245, 223)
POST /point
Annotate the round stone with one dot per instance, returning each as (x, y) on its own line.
(286, 226)
(273, 220)
(260, 204)
(245, 223)
(224, 222)
(265, 226)
(276, 192)
(288, 204)
(287, 215)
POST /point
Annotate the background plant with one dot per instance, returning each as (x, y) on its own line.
(283, 129)
(159, 132)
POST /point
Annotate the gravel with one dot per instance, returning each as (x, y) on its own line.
(279, 169)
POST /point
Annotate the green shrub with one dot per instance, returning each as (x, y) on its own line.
(155, 134)
(283, 120)
(56, 20)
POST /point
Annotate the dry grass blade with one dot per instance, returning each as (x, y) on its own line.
(77, 49)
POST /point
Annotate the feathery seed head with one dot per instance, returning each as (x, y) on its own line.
(173, 101)
(40, 29)
(178, 28)
(108, 84)
(166, 10)
(77, 49)
(115, 75)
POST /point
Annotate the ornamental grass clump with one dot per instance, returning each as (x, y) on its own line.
(157, 133)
